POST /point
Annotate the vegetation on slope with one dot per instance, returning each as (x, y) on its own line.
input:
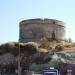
(37, 57)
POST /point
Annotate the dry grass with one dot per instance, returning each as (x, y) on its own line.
(42, 50)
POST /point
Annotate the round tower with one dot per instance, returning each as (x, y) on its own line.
(35, 29)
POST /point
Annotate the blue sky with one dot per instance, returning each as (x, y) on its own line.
(11, 12)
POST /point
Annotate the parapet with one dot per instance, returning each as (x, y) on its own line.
(42, 21)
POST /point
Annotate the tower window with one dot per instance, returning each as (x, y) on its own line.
(34, 35)
(53, 22)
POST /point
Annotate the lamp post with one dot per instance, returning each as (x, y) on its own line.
(19, 60)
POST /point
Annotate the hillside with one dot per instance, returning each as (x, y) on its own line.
(37, 56)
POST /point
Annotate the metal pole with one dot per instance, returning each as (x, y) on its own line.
(19, 68)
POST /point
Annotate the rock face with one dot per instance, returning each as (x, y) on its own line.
(35, 29)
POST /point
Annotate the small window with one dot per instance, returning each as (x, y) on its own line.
(34, 35)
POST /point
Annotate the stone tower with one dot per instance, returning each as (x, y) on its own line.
(35, 29)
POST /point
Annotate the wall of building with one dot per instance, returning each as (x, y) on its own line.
(35, 29)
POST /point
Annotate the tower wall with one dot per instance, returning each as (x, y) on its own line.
(35, 29)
